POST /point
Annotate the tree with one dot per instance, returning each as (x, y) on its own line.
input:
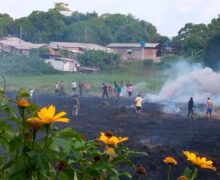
(5, 21)
(99, 59)
(127, 29)
(212, 53)
(41, 27)
(61, 6)
(191, 38)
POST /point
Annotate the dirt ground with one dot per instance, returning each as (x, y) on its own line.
(157, 133)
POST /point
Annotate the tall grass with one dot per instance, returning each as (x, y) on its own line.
(150, 77)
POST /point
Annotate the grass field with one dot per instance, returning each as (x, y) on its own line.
(144, 78)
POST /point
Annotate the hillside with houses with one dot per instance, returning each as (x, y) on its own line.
(63, 55)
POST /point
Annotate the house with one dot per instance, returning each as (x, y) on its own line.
(63, 63)
(18, 46)
(134, 51)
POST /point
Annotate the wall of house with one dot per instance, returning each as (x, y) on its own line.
(68, 66)
(151, 54)
(56, 64)
(136, 53)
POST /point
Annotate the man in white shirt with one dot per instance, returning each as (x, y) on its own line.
(74, 86)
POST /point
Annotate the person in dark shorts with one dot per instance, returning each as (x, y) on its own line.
(190, 107)
(104, 90)
(138, 104)
(81, 86)
(56, 88)
(61, 86)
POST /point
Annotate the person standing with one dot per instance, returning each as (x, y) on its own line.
(76, 105)
(62, 92)
(56, 88)
(111, 90)
(104, 90)
(87, 87)
(74, 86)
(190, 107)
(118, 91)
(209, 107)
(138, 104)
(122, 84)
(129, 90)
(81, 85)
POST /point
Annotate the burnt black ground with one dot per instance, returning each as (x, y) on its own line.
(157, 133)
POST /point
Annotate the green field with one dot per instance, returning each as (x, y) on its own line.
(144, 79)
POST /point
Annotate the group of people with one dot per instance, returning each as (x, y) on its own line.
(59, 88)
(80, 87)
(77, 88)
(115, 90)
(208, 108)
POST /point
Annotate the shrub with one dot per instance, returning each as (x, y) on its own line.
(148, 63)
(18, 65)
(167, 61)
(99, 59)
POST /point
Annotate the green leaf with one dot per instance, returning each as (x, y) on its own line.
(3, 101)
(22, 93)
(187, 172)
(42, 163)
(68, 133)
(15, 143)
(63, 176)
(75, 176)
(64, 143)
(126, 174)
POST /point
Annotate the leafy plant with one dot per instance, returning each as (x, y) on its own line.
(32, 148)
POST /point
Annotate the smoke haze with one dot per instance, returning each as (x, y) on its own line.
(189, 81)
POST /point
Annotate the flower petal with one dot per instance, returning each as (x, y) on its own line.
(62, 120)
(59, 115)
(51, 111)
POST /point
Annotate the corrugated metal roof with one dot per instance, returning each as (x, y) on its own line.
(132, 45)
(18, 43)
(66, 45)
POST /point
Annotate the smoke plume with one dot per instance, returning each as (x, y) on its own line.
(189, 81)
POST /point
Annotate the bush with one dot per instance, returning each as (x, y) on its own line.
(99, 59)
(148, 63)
(18, 65)
(167, 61)
(212, 53)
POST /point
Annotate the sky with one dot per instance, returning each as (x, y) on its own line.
(167, 15)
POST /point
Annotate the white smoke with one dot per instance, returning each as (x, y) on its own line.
(189, 81)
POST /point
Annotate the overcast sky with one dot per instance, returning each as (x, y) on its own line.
(167, 15)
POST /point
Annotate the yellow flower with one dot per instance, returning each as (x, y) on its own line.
(170, 160)
(112, 140)
(48, 116)
(23, 102)
(110, 152)
(34, 125)
(201, 162)
(182, 178)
